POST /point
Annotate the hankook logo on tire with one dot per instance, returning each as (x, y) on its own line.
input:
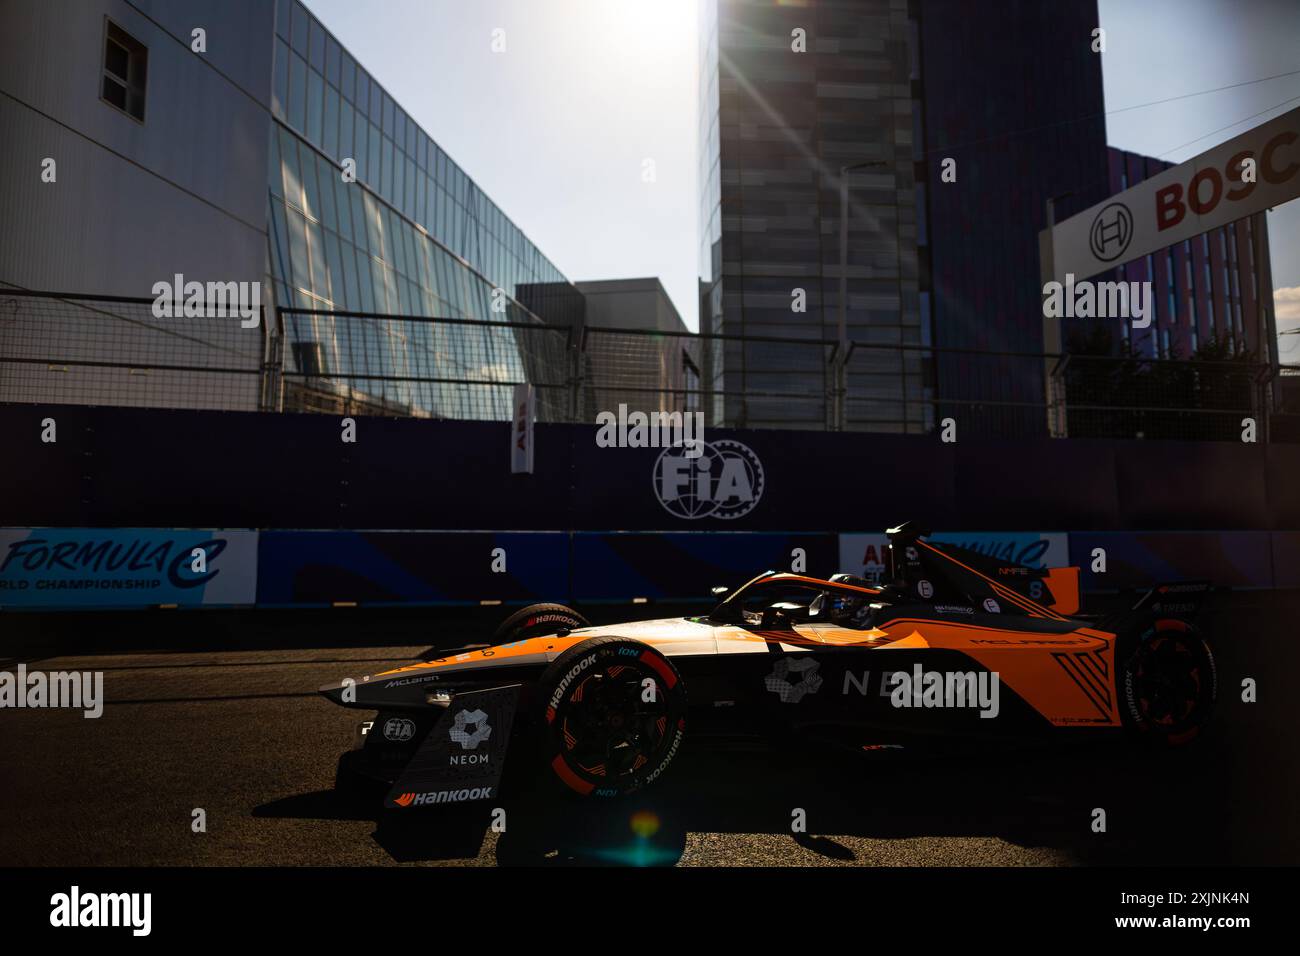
(725, 481)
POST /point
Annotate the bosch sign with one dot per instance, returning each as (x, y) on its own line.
(1208, 187)
(1246, 175)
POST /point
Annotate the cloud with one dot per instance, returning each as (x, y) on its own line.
(1286, 304)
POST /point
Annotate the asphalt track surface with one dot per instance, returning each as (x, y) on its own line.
(243, 735)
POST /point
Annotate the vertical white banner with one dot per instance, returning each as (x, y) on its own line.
(521, 432)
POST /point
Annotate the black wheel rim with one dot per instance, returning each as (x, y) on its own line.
(608, 731)
(1168, 680)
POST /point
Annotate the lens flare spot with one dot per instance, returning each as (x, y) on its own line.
(645, 824)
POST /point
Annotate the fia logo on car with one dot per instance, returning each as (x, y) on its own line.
(399, 729)
(725, 481)
(463, 735)
(992, 606)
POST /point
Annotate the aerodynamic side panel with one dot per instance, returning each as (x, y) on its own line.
(1067, 676)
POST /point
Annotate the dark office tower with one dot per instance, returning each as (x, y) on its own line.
(792, 92)
(1009, 89)
(1012, 91)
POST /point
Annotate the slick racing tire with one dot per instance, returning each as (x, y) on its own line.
(1167, 681)
(614, 716)
(537, 620)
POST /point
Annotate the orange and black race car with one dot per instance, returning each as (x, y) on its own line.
(954, 643)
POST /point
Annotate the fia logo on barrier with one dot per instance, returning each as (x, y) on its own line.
(726, 481)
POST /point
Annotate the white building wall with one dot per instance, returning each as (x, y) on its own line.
(184, 191)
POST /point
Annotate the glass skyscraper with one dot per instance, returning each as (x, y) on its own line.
(412, 235)
(791, 92)
(1009, 91)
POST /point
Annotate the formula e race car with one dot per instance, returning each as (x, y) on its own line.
(954, 642)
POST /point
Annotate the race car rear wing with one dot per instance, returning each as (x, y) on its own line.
(1063, 585)
(1175, 597)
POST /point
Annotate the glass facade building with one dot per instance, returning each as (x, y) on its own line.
(412, 235)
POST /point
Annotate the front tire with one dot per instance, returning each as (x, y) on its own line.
(537, 620)
(614, 716)
(1167, 681)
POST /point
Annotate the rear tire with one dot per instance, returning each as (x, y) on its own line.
(614, 716)
(1167, 681)
(537, 620)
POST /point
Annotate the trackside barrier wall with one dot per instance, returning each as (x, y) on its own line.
(159, 468)
(98, 568)
(133, 468)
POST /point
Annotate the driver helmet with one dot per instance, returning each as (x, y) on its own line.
(846, 608)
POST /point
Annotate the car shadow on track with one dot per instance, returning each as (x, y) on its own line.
(1155, 810)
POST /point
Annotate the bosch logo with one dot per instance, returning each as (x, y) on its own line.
(725, 481)
(1111, 232)
(1208, 186)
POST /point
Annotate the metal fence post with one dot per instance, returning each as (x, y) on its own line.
(1263, 401)
(832, 390)
(1057, 426)
(272, 381)
(837, 389)
(577, 347)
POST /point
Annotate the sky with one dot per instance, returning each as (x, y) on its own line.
(1156, 49)
(583, 130)
(557, 128)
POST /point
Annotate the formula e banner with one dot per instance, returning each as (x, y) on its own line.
(320, 568)
(865, 554)
(120, 567)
